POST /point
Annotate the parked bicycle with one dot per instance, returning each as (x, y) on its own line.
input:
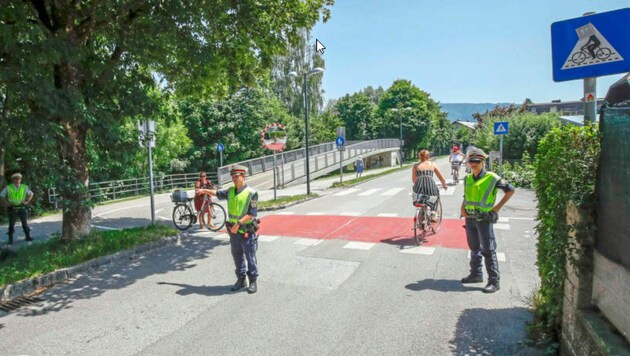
(184, 215)
(428, 216)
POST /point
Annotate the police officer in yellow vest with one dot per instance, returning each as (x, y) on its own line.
(242, 226)
(18, 196)
(480, 211)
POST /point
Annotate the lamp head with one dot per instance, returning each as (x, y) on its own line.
(292, 74)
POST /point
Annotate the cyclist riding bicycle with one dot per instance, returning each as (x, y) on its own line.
(422, 176)
(456, 158)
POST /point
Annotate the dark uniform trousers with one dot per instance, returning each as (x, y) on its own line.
(244, 249)
(482, 244)
(22, 213)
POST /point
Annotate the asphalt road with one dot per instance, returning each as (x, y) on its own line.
(356, 287)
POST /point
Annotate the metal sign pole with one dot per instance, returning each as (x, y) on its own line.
(590, 104)
(340, 166)
(148, 142)
(274, 175)
(220, 158)
(282, 165)
(501, 155)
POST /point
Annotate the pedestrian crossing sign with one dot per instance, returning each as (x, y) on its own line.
(501, 128)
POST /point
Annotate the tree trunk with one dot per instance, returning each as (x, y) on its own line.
(77, 209)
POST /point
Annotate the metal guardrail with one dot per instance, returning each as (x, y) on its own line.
(123, 188)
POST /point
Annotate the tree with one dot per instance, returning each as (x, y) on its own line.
(357, 113)
(417, 122)
(80, 64)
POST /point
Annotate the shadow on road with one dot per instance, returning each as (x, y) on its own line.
(401, 241)
(208, 291)
(95, 283)
(442, 285)
(492, 332)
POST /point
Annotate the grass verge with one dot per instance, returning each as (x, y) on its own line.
(53, 254)
(354, 181)
(268, 204)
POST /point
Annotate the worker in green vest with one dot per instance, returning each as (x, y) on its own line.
(242, 226)
(18, 196)
(480, 211)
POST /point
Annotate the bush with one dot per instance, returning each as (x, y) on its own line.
(565, 171)
(520, 174)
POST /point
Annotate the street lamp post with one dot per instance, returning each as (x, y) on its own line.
(401, 137)
(317, 70)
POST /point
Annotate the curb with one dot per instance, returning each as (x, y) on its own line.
(278, 207)
(29, 286)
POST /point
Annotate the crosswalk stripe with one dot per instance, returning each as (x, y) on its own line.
(268, 238)
(387, 215)
(419, 250)
(359, 245)
(369, 192)
(393, 191)
(308, 242)
(315, 213)
(350, 213)
(504, 220)
(501, 256)
(346, 192)
(222, 236)
(502, 226)
(286, 213)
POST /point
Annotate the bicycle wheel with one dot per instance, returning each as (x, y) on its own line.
(419, 226)
(603, 53)
(217, 219)
(436, 223)
(183, 217)
(578, 58)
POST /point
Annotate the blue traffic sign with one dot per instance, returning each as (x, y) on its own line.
(220, 147)
(501, 128)
(591, 46)
(340, 141)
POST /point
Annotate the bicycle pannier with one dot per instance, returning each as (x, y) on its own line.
(179, 196)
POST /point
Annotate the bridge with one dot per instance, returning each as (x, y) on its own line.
(323, 159)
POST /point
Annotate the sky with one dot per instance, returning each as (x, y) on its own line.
(460, 51)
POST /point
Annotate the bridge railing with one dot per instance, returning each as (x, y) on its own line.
(123, 188)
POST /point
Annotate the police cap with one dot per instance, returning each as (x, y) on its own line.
(16, 176)
(477, 153)
(237, 169)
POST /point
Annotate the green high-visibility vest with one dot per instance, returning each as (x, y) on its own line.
(480, 195)
(238, 204)
(16, 195)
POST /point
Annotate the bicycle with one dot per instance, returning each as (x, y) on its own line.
(428, 216)
(455, 171)
(184, 215)
(600, 53)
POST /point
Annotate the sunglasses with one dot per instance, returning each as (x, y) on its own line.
(203, 176)
(474, 161)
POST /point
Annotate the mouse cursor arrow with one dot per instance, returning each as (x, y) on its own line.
(319, 47)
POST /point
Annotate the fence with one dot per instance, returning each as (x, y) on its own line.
(123, 188)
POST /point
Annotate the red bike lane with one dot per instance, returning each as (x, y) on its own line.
(391, 230)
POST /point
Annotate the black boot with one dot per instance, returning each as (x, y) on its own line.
(252, 286)
(472, 278)
(492, 287)
(240, 283)
(28, 237)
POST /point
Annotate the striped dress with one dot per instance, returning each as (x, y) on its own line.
(425, 183)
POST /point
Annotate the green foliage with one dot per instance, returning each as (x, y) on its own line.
(526, 131)
(357, 113)
(520, 174)
(565, 166)
(53, 254)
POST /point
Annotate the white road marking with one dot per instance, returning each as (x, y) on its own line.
(350, 213)
(163, 218)
(308, 242)
(501, 256)
(387, 215)
(106, 228)
(223, 236)
(268, 238)
(346, 192)
(359, 245)
(315, 213)
(504, 220)
(393, 191)
(502, 226)
(419, 250)
(369, 192)
(127, 207)
(286, 213)
(158, 211)
(517, 218)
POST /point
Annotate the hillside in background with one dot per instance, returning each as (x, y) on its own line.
(464, 111)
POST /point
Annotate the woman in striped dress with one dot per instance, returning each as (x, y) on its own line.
(422, 176)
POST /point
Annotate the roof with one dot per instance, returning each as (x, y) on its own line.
(470, 125)
(577, 120)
